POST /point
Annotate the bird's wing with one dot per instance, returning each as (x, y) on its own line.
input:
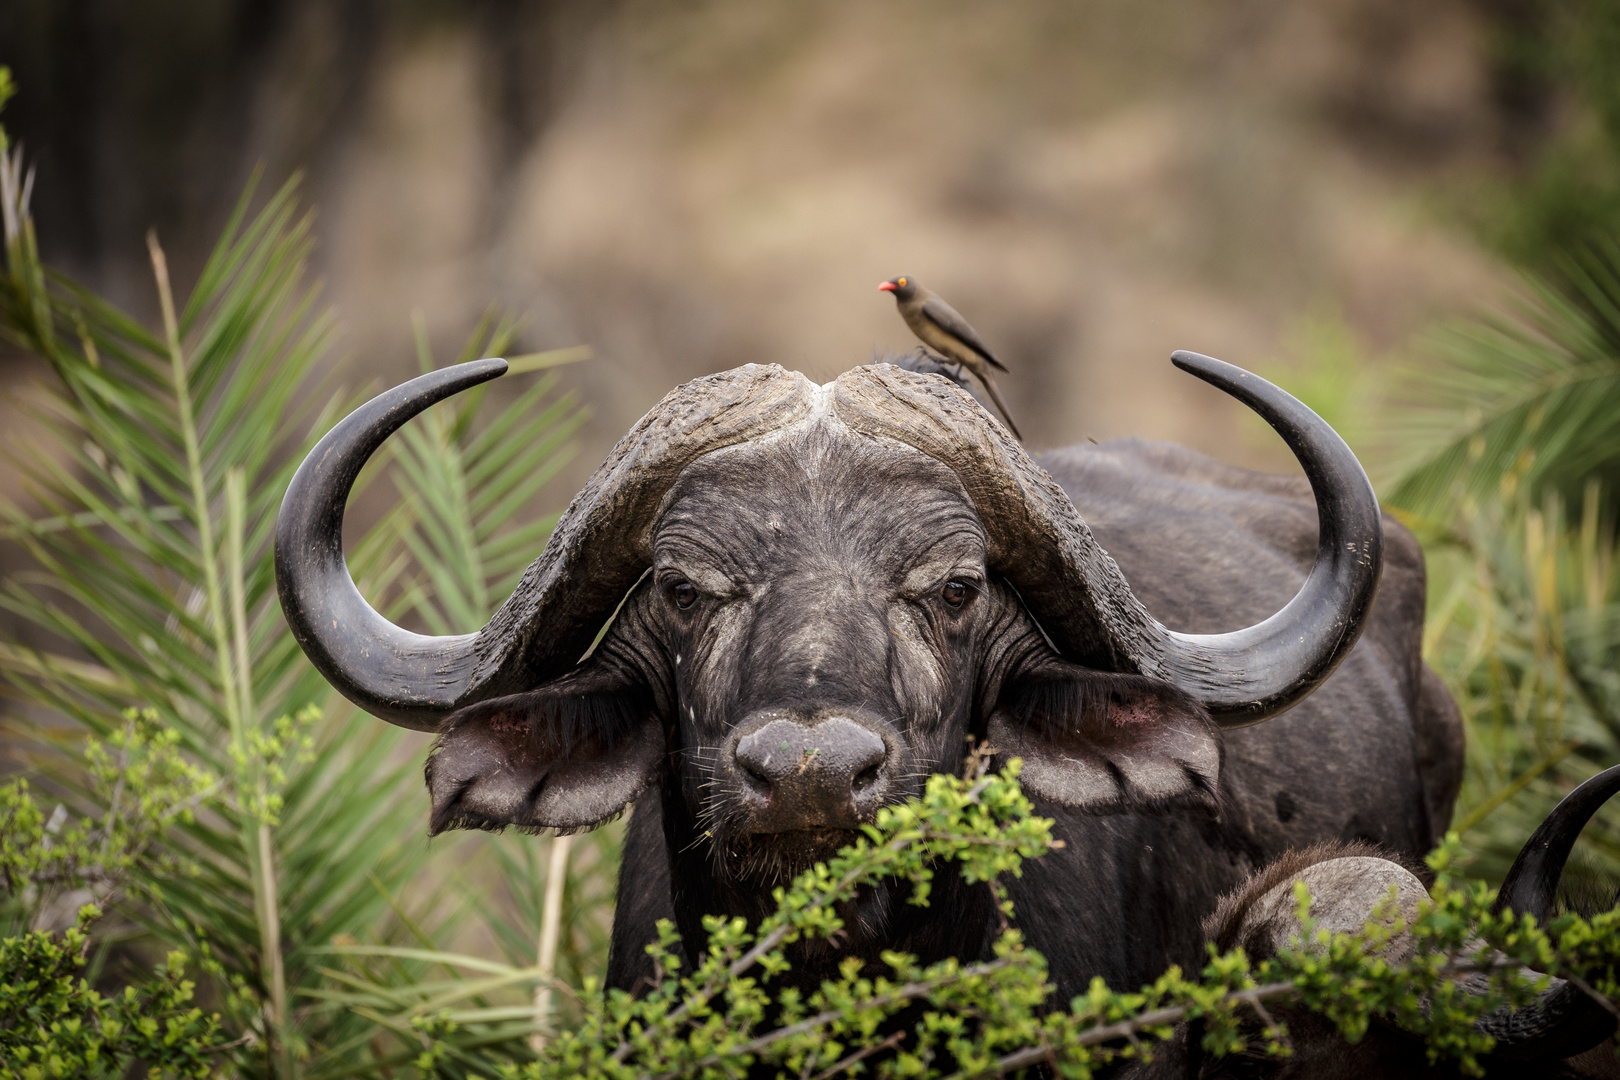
(945, 317)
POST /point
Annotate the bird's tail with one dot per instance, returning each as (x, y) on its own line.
(1001, 406)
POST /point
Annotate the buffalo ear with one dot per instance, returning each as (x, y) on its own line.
(1107, 743)
(567, 756)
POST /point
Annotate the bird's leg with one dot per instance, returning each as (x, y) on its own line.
(953, 369)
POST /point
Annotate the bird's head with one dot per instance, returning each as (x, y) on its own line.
(904, 286)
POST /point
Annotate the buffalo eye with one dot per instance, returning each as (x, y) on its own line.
(954, 593)
(684, 593)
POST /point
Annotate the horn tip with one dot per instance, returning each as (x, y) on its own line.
(1197, 363)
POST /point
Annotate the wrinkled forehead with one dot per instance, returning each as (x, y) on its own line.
(819, 478)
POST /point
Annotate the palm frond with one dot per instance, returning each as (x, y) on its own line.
(1525, 628)
(448, 1025)
(467, 491)
(152, 580)
(1531, 400)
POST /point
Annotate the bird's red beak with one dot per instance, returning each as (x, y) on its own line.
(887, 286)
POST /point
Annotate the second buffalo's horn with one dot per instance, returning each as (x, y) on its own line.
(1565, 1020)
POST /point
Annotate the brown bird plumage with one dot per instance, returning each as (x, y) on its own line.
(938, 326)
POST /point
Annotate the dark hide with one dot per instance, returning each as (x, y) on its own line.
(818, 582)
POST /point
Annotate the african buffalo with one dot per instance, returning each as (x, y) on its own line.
(1564, 1034)
(818, 593)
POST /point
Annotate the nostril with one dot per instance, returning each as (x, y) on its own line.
(754, 772)
(866, 754)
(866, 777)
(754, 758)
(754, 777)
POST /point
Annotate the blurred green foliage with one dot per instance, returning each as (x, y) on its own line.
(1503, 443)
(54, 1024)
(143, 782)
(1519, 404)
(1559, 62)
(1523, 629)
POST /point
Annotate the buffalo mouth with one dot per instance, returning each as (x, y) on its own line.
(776, 858)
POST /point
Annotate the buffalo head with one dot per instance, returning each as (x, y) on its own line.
(813, 594)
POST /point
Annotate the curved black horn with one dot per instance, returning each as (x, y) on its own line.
(1248, 675)
(1040, 543)
(1531, 885)
(408, 679)
(596, 553)
(1565, 1021)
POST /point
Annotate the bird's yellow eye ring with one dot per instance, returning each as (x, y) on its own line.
(901, 283)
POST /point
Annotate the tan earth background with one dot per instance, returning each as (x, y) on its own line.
(690, 186)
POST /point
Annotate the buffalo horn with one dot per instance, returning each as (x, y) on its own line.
(1250, 674)
(1039, 542)
(600, 546)
(1564, 1021)
(400, 676)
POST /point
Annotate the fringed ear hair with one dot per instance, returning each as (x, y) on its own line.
(1108, 743)
(566, 756)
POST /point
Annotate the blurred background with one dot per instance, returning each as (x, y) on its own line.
(1404, 213)
(687, 187)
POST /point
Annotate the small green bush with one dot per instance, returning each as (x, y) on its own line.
(53, 1023)
(995, 1017)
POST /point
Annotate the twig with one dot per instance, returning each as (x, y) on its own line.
(1271, 1024)
(896, 996)
(1018, 1059)
(550, 929)
(118, 788)
(860, 1055)
(1170, 1014)
(191, 803)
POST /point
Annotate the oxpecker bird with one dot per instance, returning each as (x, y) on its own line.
(939, 327)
